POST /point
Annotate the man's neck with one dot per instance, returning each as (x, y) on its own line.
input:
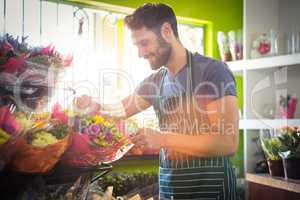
(178, 59)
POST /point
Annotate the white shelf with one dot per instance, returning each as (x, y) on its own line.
(261, 16)
(236, 66)
(256, 124)
(263, 63)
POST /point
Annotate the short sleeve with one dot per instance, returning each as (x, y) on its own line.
(218, 81)
(148, 89)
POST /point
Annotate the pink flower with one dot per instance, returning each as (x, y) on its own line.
(67, 59)
(48, 50)
(80, 142)
(58, 113)
(9, 122)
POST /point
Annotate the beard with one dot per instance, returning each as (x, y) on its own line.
(162, 54)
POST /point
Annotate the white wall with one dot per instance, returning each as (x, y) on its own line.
(44, 22)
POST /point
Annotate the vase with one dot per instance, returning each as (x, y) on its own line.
(276, 168)
(291, 168)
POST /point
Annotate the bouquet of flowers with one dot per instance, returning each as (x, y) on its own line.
(288, 106)
(43, 143)
(261, 46)
(13, 54)
(96, 140)
(10, 130)
(27, 78)
(29, 73)
(290, 141)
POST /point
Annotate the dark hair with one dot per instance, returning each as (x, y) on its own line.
(152, 16)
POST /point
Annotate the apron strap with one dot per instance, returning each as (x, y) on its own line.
(189, 80)
(189, 74)
(189, 84)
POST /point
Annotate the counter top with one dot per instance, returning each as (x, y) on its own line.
(291, 185)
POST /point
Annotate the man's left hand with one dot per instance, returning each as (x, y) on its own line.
(149, 138)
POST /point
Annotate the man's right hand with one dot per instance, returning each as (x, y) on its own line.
(86, 105)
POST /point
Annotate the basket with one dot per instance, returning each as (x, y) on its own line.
(31, 159)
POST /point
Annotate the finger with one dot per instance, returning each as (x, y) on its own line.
(140, 131)
(139, 139)
(82, 102)
(136, 138)
(94, 108)
(132, 136)
(140, 143)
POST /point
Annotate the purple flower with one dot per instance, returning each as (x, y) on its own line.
(109, 137)
(77, 123)
(94, 129)
(9, 128)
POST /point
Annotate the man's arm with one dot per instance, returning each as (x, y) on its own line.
(126, 108)
(134, 104)
(218, 142)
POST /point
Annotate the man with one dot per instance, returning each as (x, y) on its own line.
(195, 100)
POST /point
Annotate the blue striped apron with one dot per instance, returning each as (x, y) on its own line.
(182, 176)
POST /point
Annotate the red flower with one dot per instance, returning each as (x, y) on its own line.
(14, 64)
(264, 48)
(6, 47)
(3, 111)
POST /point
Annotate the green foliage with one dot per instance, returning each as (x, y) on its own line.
(271, 148)
(124, 183)
(290, 141)
(60, 131)
(237, 160)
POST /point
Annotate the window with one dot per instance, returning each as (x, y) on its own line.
(192, 37)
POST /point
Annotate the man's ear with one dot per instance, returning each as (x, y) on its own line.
(166, 32)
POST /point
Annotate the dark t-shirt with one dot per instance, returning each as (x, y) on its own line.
(211, 78)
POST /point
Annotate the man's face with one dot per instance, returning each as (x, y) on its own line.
(152, 47)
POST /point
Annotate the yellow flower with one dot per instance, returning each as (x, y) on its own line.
(69, 112)
(4, 136)
(98, 119)
(41, 116)
(40, 124)
(107, 124)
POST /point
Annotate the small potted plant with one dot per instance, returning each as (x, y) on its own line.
(271, 148)
(290, 151)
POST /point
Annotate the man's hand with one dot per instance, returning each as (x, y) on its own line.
(86, 105)
(149, 138)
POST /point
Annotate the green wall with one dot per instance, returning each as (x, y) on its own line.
(239, 90)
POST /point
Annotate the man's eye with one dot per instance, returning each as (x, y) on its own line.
(143, 44)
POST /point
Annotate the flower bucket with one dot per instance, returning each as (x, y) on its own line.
(291, 168)
(276, 168)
